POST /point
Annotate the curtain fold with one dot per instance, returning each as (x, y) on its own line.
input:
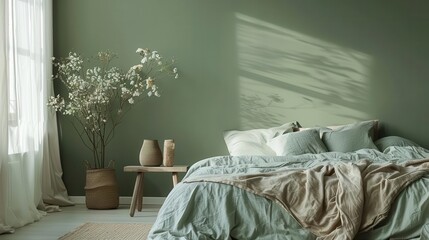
(3, 115)
(30, 169)
(53, 189)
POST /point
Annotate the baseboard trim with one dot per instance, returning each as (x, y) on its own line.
(123, 200)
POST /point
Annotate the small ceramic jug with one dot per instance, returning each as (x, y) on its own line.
(150, 153)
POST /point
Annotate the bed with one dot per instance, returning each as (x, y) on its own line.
(316, 183)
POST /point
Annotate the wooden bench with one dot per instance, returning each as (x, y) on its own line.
(137, 199)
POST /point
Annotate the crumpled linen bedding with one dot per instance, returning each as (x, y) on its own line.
(332, 201)
(209, 210)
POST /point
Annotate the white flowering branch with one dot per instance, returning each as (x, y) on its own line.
(98, 96)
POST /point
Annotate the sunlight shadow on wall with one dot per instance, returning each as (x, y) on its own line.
(285, 76)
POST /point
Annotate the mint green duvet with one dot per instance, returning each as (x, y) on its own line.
(204, 210)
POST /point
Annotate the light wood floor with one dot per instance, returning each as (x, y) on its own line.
(55, 225)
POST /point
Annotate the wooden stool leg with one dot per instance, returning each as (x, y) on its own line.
(135, 193)
(140, 194)
(175, 178)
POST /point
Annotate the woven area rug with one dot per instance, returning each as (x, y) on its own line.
(123, 231)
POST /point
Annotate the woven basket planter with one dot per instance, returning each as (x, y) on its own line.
(101, 189)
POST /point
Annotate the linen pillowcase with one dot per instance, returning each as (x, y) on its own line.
(350, 138)
(336, 127)
(297, 143)
(373, 131)
(254, 141)
(386, 142)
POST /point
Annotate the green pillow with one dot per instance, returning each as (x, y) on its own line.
(297, 143)
(386, 142)
(349, 138)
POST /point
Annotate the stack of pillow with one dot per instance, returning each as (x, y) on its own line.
(254, 142)
(288, 139)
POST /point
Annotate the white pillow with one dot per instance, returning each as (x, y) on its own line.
(254, 142)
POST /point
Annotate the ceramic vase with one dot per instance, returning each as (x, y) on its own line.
(168, 159)
(150, 153)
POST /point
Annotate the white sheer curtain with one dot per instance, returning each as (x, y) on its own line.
(30, 167)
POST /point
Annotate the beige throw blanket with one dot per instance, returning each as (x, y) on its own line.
(332, 201)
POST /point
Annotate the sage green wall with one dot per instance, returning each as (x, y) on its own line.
(247, 64)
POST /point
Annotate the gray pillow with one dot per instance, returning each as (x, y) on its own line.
(386, 142)
(297, 143)
(350, 138)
